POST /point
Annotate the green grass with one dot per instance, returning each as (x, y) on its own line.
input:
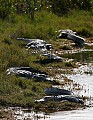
(18, 91)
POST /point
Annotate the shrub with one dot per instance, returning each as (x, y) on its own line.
(61, 7)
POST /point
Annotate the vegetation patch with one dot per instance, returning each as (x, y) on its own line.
(49, 107)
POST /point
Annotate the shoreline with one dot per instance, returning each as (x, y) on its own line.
(49, 106)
